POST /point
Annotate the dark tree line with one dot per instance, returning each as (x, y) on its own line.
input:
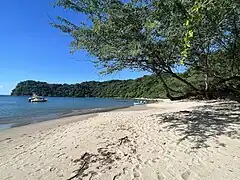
(147, 86)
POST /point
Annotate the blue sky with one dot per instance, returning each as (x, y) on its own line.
(31, 49)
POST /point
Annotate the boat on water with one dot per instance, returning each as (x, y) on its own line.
(139, 103)
(36, 98)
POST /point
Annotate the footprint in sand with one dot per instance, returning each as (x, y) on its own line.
(9, 140)
(160, 176)
(186, 175)
(155, 160)
(125, 170)
(136, 173)
(26, 165)
(139, 158)
(148, 162)
(117, 176)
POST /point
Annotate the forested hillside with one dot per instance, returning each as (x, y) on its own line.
(147, 86)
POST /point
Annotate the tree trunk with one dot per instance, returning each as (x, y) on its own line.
(206, 79)
(206, 82)
(165, 87)
(184, 81)
(187, 95)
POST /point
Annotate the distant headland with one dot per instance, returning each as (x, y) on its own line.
(146, 86)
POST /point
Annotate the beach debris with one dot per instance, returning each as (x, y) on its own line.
(52, 169)
(92, 173)
(185, 111)
(80, 170)
(86, 156)
(116, 176)
(84, 160)
(123, 140)
(102, 160)
(62, 154)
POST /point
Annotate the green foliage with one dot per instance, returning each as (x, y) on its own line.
(126, 35)
(192, 16)
(147, 86)
(157, 36)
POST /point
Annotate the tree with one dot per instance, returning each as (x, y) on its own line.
(215, 29)
(158, 36)
(146, 86)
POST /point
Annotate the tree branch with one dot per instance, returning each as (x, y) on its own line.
(229, 79)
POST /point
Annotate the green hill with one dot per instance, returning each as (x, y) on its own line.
(147, 86)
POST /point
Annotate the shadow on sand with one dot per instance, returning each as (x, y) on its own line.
(204, 122)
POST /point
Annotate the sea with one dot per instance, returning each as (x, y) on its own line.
(17, 111)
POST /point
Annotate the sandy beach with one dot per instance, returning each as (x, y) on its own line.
(161, 141)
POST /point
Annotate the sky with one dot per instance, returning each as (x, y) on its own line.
(31, 49)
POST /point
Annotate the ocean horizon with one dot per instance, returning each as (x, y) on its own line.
(17, 111)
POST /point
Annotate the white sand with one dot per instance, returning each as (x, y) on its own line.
(157, 142)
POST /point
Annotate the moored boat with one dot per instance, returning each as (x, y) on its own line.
(36, 98)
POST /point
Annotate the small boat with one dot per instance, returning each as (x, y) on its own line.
(139, 103)
(36, 98)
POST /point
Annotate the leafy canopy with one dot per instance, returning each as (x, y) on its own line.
(136, 34)
(157, 36)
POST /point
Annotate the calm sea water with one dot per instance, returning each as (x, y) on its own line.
(16, 111)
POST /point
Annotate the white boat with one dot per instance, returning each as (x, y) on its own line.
(36, 98)
(139, 103)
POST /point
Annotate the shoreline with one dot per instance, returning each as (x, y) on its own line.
(11, 119)
(63, 120)
(52, 117)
